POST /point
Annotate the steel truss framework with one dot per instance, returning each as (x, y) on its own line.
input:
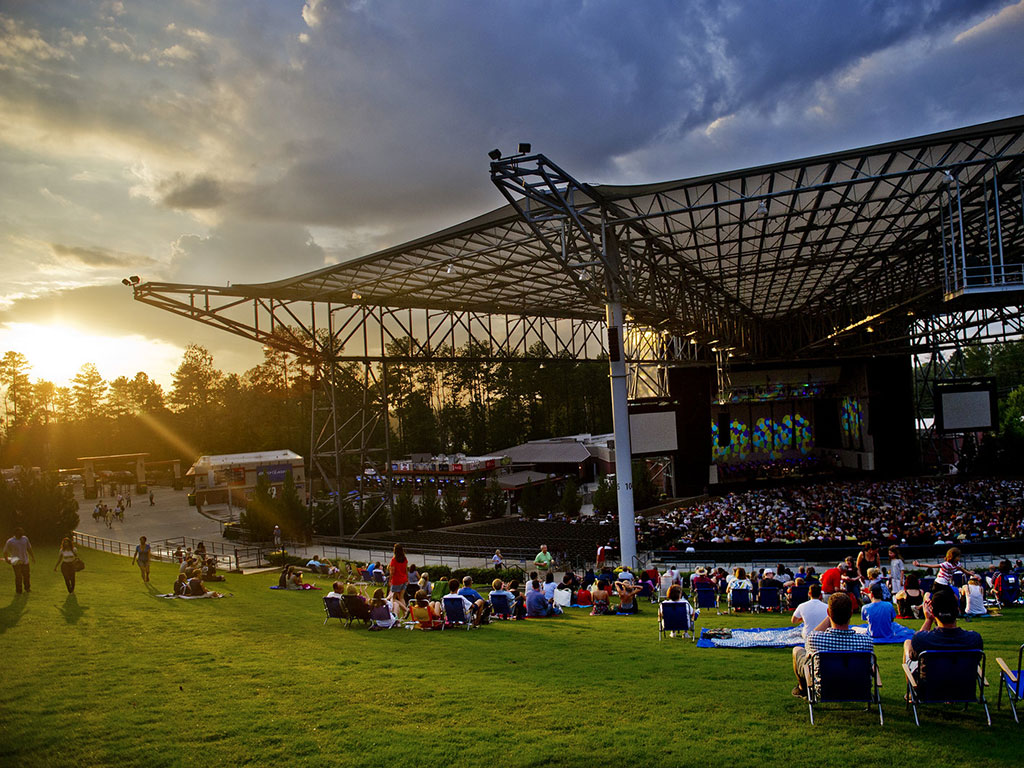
(914, 246)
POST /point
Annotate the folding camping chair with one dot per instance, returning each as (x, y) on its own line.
(677, 617)
(1013, 681)
(768, 599)
(356, 609)
(947, 677)
(739, 600)
(798, 593)
(843, 676)
(334, 607)
(707, 598)
(455, 612)
(501, 607)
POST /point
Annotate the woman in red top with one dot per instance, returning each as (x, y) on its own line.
(398, 574)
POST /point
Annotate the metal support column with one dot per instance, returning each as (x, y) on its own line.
(620, 423)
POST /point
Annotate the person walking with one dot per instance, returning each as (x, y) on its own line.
(152, 501)
(277, 536)
(142, 553)
(17, 552)
(66, 561)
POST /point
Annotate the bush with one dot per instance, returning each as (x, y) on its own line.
(39, 504)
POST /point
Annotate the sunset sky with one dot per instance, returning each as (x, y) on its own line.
(248, 140)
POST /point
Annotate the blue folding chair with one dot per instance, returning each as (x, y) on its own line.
(455, 612)
(797, 594)
(1008, 592)
(677, 617)
(335, 609)
(706, 598)
(501, 607)
(1013, 681)
(947, 677)
(843, 676)
(768, 599)
(926, 583)
(739, 600)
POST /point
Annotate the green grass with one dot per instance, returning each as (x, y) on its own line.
(120, 677)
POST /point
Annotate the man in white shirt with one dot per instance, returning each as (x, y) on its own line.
(812, 611)
(17, 552)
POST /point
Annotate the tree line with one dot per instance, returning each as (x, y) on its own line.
(460, 405)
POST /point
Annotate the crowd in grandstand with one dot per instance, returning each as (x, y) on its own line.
(912, 511)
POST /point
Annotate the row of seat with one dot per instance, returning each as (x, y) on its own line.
(950, 677)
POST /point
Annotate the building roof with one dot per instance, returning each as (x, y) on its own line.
(206, 463)
(826, 255)
(521, 479)
(548, 452)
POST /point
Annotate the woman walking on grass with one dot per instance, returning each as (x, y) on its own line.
(66, 560)
(142, 552)
(398, 574)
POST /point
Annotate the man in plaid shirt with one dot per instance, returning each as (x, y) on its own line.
(832, 634)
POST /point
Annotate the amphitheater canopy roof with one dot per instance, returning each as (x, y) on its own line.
(780, 259)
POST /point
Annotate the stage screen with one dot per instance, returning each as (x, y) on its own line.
(965, 406)
(653, 432)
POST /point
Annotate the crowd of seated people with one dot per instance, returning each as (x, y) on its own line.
(912, 511)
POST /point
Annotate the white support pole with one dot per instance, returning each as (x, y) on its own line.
(620, 425)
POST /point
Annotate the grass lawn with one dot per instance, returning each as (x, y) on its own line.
(117, 676)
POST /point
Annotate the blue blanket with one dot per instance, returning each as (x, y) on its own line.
(784, 637)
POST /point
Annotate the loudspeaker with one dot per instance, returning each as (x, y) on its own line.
(724, 428)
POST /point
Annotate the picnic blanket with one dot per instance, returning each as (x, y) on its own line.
(289, 589)
(785, 637)
(172, 596)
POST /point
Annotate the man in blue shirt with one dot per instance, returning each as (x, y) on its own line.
(481, 608)
(536, 604)
(879, 614)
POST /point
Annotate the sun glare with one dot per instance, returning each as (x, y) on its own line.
(57, 352)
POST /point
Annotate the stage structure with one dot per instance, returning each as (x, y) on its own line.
(912, 248)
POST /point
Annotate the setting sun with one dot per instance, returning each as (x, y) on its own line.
(57, 352)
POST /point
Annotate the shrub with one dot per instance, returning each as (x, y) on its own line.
(39, 504)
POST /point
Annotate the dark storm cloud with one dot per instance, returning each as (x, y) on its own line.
(99, 257)
(196, 193)
(247, 252)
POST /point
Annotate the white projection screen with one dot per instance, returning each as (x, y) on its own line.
(653, 432)
(966, 406)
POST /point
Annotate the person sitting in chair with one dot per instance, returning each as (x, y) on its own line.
(832, 634)
(424, 613)
(481, 608)
(675, 595)
(536, 604)
(467, 606)
(941, 608)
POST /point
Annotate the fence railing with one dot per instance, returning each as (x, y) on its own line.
(104, 545)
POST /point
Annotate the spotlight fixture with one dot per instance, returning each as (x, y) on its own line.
(949, 176)
(524, 147)
(126, 281)
(449, 269)
(135, 279)
(762, 207)
(356, 296)
(494, 154)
